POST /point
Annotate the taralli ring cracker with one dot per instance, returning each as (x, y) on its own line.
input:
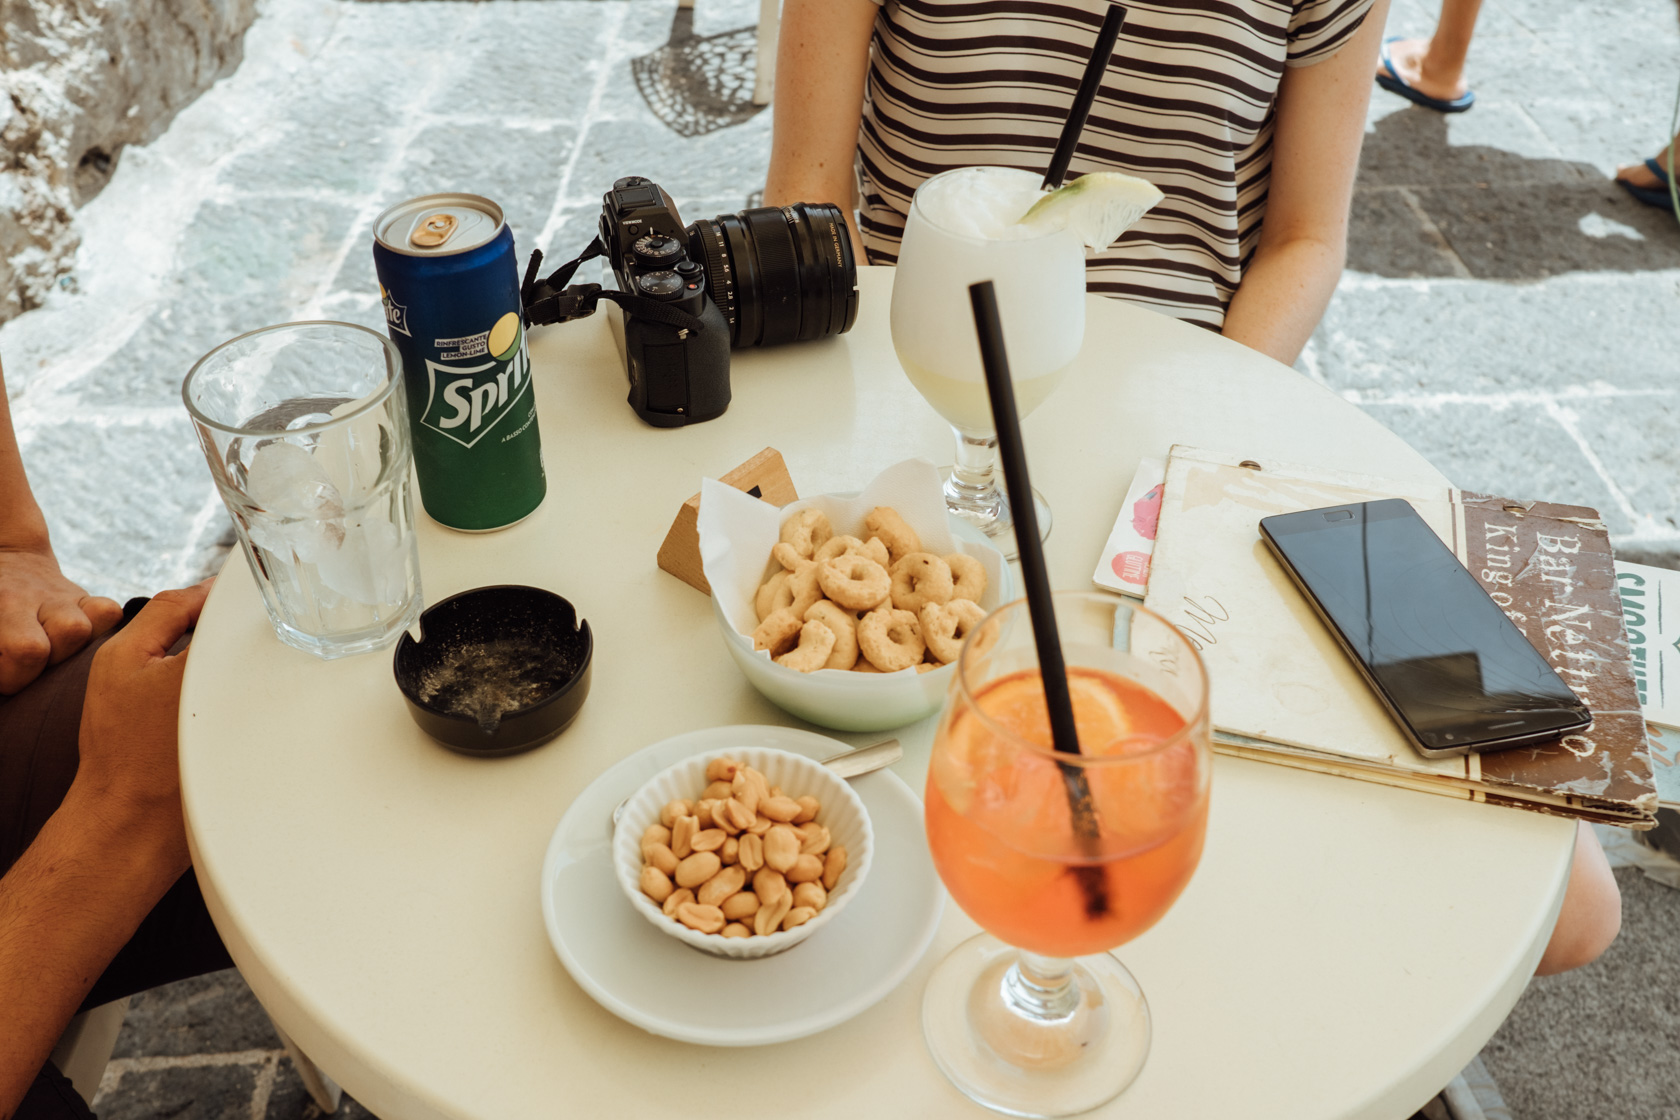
(816, 642)
(891, 640)
(895, 533)
(968, 576)
(918, 579)
(945, 625)
(854, 581)
(806, 531)
(778, 882)
(844, 624)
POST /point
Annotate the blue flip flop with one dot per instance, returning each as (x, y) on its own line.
(1394, 83)
(1651, 196)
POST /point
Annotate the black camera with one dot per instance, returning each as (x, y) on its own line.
(760, 277)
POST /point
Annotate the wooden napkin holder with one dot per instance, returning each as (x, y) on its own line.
(764, 476)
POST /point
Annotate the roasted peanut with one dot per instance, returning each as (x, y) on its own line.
(708, 840)
(738, 815)
(719, 887)
(721, 769)
(674, 809)
(760, 825)
(770, 914)
(798, 916)
(661, 857)
(741, 904)
(697, 868)
(677, 898)
(736, 929)
(759, 782)
(805, 869)
(730, 852)
(815, 840)
(779, 808)
(703, 813)
(717, 791)
(656, 884)
(781, 847)
(682, 835)
(751, 852)
(809, 807)
(657, 834)
(769, 886)
(705, 919)
(810, 894)
(834, 865)
(743, 790)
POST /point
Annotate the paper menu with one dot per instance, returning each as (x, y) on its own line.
(1282, 676)
(1125, 560)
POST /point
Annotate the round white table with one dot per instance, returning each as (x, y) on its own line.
(1342, 951)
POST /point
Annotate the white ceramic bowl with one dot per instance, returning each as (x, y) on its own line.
(848, 701)
(842, 814)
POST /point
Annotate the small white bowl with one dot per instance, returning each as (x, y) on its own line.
(842, 814)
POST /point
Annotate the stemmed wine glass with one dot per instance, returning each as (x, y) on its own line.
(962, 229)
(1061, 857)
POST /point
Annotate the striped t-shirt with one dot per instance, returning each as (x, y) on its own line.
(1188, 103)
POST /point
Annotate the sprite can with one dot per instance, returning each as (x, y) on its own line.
(450, 286)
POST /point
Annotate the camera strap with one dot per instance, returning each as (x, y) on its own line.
(551, 300)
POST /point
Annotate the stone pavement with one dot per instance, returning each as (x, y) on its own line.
(1506, 310)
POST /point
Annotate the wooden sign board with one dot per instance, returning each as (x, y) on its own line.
(763, 476)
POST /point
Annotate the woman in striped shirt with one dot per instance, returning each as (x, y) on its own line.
(1247, 114)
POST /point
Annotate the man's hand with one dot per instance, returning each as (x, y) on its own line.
(129, 769)
(44, 618)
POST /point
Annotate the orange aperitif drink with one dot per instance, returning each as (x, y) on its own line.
(1061, 855)
(1001, 824)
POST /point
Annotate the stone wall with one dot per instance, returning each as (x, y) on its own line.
(79, 79)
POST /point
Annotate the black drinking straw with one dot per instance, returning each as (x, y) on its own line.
(1082, 100)
(1052, 667)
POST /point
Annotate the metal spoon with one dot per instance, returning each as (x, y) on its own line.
(846, 764)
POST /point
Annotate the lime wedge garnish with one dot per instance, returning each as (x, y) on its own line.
(1098, 207)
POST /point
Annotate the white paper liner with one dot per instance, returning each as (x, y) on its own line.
(737, 532)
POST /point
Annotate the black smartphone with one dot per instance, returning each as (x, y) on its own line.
(1453, 671)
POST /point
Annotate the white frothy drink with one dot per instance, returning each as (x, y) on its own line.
(986, 203)
(964, 227)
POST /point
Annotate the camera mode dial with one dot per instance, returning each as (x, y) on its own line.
(656, 250)
(661, 285)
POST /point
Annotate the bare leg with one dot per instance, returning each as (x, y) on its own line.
(1640, 175)
(1435, 66)
(1592, 910)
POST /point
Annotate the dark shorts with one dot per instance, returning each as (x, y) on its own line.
(38, 754)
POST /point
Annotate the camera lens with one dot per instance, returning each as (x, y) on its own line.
(779, 274)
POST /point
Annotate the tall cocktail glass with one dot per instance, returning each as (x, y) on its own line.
(961, 230)
(1061, 857)
(306, 430)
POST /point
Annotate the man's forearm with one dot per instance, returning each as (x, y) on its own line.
(67, 906)
(1283, 296)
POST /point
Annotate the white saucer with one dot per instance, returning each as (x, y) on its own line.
(669, 989)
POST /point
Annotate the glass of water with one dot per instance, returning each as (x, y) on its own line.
(306, 429)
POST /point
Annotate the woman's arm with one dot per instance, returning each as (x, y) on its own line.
(44, 618)
(1315, 155)
(821, 59)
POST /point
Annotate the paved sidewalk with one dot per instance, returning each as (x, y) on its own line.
(1506, 309)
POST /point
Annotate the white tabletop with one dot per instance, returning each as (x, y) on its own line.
(1343, 949)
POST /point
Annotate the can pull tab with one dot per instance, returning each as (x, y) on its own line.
(432, 231)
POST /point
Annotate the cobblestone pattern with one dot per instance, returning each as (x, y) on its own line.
(1506, 310)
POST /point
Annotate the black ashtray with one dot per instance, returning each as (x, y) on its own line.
(499, 670)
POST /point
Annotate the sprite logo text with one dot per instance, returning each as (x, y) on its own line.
(465, 401)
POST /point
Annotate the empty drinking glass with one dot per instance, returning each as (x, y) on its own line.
(306, 430)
